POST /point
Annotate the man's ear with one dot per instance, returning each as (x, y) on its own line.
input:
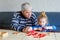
(22, 11)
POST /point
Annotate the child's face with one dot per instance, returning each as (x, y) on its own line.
(42, 21)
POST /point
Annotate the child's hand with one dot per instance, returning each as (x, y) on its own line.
(40, 29)
(36, 28)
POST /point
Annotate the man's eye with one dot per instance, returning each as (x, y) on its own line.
(40, 21)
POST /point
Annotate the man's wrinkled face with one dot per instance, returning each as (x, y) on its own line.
(42, 21)
(27, 13)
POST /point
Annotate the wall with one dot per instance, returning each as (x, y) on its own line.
(38, 5)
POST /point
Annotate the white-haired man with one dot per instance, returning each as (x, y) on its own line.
(25, 19)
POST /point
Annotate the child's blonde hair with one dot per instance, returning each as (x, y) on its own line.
(42, 15)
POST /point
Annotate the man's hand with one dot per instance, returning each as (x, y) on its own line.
(27, 29)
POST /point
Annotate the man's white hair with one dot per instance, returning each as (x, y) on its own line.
(26, 6)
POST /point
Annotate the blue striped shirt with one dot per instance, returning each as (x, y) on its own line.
(19, 21)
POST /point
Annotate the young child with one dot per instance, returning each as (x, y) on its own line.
(43, 24)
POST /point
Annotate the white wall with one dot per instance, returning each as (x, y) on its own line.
(38, 5)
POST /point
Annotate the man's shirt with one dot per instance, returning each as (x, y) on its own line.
(19, 21)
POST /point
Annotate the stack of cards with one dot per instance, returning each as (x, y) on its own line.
(3, 34)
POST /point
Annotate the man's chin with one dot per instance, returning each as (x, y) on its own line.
(28, 17)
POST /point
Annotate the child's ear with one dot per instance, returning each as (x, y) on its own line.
(38, 21)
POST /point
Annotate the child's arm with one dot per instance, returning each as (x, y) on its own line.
(50, 28)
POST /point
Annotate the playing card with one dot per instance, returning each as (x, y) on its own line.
(36, 34)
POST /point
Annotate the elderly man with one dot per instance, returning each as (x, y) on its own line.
(23, 20)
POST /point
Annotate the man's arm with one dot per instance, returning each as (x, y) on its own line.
(15, 23)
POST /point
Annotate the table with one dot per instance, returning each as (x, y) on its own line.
(23, 36)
